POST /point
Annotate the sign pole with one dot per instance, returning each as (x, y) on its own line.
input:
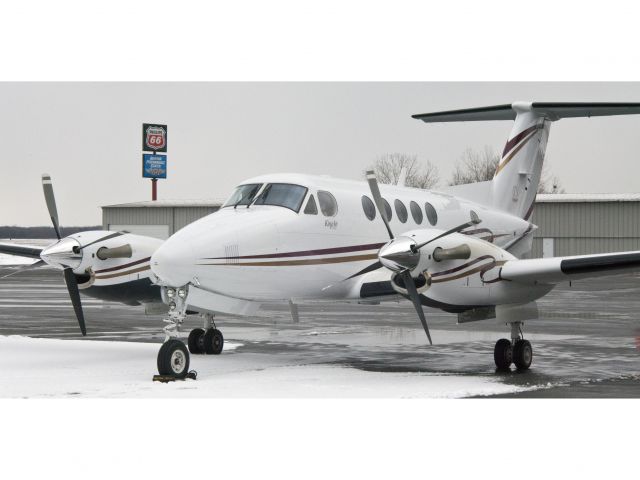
(154, 189)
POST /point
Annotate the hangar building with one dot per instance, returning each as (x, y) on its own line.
(160, 218)
(568, 224)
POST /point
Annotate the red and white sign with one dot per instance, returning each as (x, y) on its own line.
(155, 138)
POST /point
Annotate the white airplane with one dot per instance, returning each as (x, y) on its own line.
(300, 237)
(102, 264)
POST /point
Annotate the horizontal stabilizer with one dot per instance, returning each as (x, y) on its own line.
(20, 250)
(550, 110)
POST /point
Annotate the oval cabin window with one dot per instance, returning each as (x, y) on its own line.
(328, 204)
(401, 211)
(416, 212)
(368, 207)
(432, 215)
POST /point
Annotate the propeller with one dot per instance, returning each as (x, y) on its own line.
(402, 254)
(47, 187)
(69, 276)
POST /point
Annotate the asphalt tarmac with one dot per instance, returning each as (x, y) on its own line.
(586, 342)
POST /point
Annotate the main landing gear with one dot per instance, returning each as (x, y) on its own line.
(207, 340)
(173, 357)
(517, 350)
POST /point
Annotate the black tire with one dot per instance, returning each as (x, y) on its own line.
(522, 354)
(195, 341)
(213, 341)
(173, 359)
(503, 354)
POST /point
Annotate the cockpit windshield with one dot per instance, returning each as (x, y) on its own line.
(243, 195)
(283, 195)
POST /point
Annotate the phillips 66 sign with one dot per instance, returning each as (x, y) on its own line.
(154, 137)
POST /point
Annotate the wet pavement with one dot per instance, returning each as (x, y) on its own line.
(586, 342)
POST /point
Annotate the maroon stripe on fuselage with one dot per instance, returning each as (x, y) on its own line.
(123, 266)
(308, 253)
(515, 140)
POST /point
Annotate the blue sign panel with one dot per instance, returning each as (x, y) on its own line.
(154, 166)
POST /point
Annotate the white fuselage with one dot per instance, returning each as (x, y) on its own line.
(269, 253)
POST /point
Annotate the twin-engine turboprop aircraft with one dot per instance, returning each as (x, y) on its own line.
(102, 264)
(299, 237)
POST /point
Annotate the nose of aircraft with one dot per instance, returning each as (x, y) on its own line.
(173, 262)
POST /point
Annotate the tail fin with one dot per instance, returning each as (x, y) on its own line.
(515, 182)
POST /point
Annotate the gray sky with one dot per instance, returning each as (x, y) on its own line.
(88, 136)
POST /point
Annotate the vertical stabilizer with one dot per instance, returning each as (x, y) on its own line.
(515, 182)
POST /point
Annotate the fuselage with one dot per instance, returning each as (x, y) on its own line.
(319, 237)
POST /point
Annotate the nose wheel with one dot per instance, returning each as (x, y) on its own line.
(173, 359)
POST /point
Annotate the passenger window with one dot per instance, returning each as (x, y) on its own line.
(416, 213)
(368, 207)
(328, 204)
(432, 215)
(387, 210)
(311, 208)
(401, 211)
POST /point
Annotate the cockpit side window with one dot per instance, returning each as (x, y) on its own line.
(311, 208)
(243, 195)
(282, 195)
(328, 204)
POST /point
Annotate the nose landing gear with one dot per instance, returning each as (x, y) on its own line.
(517, 350)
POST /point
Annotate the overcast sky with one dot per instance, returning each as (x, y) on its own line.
(88, 137)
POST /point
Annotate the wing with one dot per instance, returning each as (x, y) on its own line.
(562, 269)
(20, 250)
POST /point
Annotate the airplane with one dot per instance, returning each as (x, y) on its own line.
(102, 264)
(460, 249)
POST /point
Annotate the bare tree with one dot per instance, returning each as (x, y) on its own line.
(475, 166)
(549, 183)
(419, 175)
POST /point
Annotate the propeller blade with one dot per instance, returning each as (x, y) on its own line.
(74, 293)
(25, 268)
(415, 299)
(474, 221)
(47, 187)
(108, 237)
(377, 198)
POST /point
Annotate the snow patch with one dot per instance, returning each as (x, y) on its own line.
(47, 368)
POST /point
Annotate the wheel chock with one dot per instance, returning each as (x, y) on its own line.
(168, 378)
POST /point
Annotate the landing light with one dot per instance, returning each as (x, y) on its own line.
(172, 306)
(171, 292)
(182, 292)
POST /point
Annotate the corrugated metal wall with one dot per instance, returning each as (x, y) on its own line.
(175, 217)
(587, 227)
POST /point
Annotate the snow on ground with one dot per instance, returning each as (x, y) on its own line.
(43, 368)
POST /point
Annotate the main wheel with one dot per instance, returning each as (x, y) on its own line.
(213, 341)
(522, 354)
(195, 342)
(173, 359)
(503, 354)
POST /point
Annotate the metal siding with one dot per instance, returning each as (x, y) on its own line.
(186, 215)
(587, 227)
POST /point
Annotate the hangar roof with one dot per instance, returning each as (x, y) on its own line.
(169, 203)
(587, 197)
